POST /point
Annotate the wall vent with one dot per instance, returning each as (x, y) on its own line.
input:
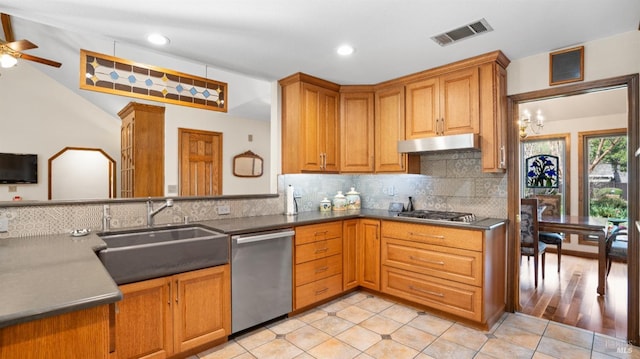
(464, 32)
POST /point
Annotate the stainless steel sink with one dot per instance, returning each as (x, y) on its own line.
(137, 255)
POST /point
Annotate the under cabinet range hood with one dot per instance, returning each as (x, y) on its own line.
(467, 141)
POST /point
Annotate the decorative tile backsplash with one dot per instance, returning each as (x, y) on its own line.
(448, 181)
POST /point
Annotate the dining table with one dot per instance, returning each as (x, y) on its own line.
(592, 227)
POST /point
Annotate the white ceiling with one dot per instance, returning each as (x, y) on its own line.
(270, 39)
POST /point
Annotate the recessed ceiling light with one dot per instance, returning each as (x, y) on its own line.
(158, 39)
(345, 50)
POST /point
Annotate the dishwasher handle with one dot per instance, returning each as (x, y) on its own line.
(241, 239)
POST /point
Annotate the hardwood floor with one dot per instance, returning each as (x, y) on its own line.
(570, 296)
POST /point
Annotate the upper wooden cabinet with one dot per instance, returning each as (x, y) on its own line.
(493, 117)
(142, 151)
(443, 105)
(310, 127)
(356, 129)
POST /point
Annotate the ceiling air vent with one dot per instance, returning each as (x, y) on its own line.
(463, 32)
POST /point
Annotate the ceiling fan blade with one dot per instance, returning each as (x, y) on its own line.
(40, 60)
(21, 45)
(6, 26)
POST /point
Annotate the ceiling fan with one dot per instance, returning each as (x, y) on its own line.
(12, 50)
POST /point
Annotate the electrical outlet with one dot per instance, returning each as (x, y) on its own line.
(13, 188)
(4, 224)
(223, 209)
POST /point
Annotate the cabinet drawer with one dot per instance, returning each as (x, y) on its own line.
(460, 265)
(316, 250)
(313, 292)
(320, 268)
(318, 232)
(455, 298)
(444, 236)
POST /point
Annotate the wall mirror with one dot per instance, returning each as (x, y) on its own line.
(81, 173)
(247, 164)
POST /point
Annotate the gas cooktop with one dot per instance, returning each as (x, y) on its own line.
(440, 215)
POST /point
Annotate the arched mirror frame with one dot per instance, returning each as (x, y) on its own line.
(112, 168)
(513, 205)
(248, 164)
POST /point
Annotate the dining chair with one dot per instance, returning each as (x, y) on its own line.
(551, 208)
(617, 247)
(530, 244)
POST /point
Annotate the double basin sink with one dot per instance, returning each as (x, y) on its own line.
(137, 255)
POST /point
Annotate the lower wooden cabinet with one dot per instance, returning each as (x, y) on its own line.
(165, 316)
(361, 254)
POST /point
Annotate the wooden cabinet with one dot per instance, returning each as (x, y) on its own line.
(444, 105)
(318, 263)
(310, 125)
(389, 129)
(142, 151)
(165, 316)
(361, 254)
(493, 117)
(457, 271)
(79, 334)
(357, 129)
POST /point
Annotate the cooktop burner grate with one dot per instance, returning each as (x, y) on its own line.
(439, 215)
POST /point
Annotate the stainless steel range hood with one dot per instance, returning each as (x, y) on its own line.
(465, 141)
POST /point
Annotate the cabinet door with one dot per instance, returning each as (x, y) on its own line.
(349, 254)
(311, 128)
(460, 101)
(423, 108)
(202, 311)
(143, 320)
(389, 127)
(493, 117)
(369, 254)
(330, 129)
(356, 132)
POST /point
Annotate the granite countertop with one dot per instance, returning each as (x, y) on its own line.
(50, 275)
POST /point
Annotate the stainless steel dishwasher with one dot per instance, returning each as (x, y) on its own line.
(260, 277)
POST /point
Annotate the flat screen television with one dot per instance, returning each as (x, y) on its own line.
(18, 168)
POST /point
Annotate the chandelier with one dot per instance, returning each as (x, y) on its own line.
(533, 126)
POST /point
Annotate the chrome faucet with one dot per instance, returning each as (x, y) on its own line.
(106, 218)
(152, 212)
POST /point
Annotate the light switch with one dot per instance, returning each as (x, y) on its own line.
(4, 224)
(13, 188)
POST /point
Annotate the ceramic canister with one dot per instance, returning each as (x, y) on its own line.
(325, 205)
(339, 202)
(353, 199)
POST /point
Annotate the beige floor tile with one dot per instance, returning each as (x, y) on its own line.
(528, 323)
(518, 336)
(431, 324)
(538, 355)
(560, 349)
(444, 349)
(355, 298)
(287, 326)
(359, 337)
(276, 349)
(334, 349)
(224, 351)
(412, 337)
(256, 338)
(424, 356)
(364, 356)
(303, 356)
(400, 313)
(381, 325)
(467, 337)
(596, 355)
(332, 325)
(334, 306)
(312, 315)
(375, 304)
(389, 349)
(614, 347)
(500, 348)
(571, 335)
(354, 314)
(307, 337)
(246, 355)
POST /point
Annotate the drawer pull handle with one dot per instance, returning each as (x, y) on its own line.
(426, 260)
(426, 291)
(319, 233)
(426, 235)
(322, 250)
(322, 269)
(318, 292)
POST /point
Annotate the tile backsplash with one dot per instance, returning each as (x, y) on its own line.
(448, 181)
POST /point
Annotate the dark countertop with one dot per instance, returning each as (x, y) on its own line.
(264, 223)
(50, 275)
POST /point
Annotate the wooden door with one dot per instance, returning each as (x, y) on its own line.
(143, 320)
(356, 132)
(460, 101)
(349, 254)
(423, 108)
(200, 154)
(369, 253)
(389, 129)
(202, 313)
